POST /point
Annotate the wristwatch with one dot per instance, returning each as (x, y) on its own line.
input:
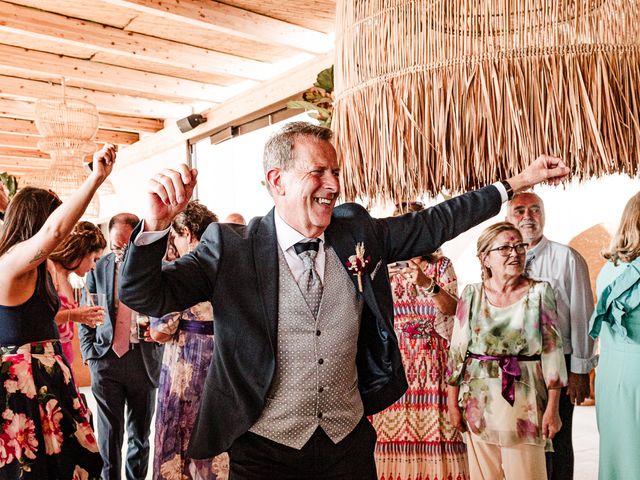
(508, 188)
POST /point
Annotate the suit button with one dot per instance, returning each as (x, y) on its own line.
(317, 333)
(321, 389)
(319, 414)
(321, 361)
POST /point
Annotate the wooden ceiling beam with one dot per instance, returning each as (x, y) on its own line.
(130, 124)
(21, 167)
(24, 110)
(105, 102)
(16, 126)
(12, 140)
(23, 62)
(229, 20)
(48, 26)
(23, 153)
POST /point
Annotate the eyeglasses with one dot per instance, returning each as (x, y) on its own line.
(505, 250)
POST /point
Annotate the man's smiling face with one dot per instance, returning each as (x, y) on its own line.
(306, 194)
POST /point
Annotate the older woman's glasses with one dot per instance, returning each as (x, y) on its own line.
(505, 250)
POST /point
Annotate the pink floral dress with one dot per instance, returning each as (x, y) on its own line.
(527, 328)
(45, 433)
(66, 329)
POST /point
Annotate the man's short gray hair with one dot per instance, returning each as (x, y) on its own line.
(278, 152)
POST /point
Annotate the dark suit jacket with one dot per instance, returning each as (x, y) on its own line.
(236, 269)
(96, 342)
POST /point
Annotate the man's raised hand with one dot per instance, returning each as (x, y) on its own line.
(545, 168)
(169, 191)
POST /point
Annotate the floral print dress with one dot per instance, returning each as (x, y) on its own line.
(526, 328)
(45, 432)
(185, 363)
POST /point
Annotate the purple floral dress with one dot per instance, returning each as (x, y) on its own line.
(184, 368)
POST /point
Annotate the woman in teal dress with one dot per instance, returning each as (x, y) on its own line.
(616, 321)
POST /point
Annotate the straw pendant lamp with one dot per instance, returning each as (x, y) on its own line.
(456, 94)
(68, 127)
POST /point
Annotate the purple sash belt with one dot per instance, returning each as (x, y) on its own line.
(510, 370)
(197, 326)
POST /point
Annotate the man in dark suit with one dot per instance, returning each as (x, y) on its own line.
(124, 369)
(305, 347)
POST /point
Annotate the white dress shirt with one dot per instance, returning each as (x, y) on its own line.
(568, 274)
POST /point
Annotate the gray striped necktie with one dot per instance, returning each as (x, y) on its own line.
(309, 282)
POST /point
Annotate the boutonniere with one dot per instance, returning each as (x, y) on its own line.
(358, 263)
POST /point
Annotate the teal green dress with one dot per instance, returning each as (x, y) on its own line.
(616, 321)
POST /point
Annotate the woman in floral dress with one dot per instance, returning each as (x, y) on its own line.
(77, 254)
(415, 438)
(44, 428)
(506, 363)
(187, 354)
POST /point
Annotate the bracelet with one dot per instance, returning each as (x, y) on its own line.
(434, 289)
(68, 315)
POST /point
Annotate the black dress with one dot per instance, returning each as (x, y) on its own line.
(45, 432)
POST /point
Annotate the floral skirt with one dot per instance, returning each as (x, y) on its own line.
(45, 432)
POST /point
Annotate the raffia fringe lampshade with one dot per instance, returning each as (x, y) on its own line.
(456, 94)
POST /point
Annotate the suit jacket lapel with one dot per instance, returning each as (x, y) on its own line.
(345, 245)
(265, 254)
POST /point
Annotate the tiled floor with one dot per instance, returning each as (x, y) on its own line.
(585, 440)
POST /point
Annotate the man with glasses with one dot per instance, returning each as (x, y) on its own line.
(124, 369)
(567, 272)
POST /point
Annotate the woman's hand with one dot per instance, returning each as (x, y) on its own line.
(103, 161)
(89, 316)
(551, 422)
(413, 273)
(456, 419)
(455, 414)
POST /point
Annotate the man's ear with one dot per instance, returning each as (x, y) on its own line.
(274, 179)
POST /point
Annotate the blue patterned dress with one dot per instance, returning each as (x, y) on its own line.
(184, 368)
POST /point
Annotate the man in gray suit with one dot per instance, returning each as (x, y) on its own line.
(124, 369)
(305, 347)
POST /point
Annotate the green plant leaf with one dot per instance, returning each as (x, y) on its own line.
(10, 182)
(325, 79)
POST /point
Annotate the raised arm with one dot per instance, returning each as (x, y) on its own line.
(27, 255)
(168, 191)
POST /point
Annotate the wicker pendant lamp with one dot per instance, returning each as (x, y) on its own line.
(68, 127)
(455, 94)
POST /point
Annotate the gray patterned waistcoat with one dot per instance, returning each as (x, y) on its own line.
(315, 382)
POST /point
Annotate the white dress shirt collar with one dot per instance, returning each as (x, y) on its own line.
(288, 236)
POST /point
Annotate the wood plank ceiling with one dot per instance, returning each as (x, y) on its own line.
(143, 62)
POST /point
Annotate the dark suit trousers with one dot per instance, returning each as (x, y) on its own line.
(560, 461)
(257, 458)
(116, 382)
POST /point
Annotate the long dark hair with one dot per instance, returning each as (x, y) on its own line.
(85, 238)
(26, 214)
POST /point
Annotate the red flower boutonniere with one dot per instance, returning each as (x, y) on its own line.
(358, 263)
